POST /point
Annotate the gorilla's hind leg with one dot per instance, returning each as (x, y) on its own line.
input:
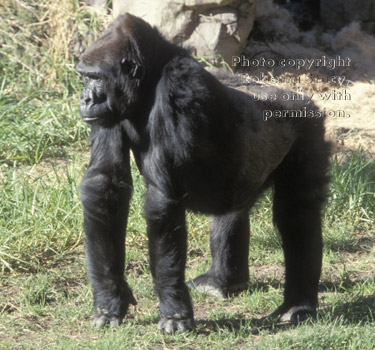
(300, 191)
(229, 242)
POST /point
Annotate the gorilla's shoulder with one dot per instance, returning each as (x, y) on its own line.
(181, 64)
(184, 77)
(183, 69)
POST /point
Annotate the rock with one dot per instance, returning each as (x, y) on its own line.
(207, 26)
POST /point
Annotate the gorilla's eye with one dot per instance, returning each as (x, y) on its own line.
(94, 77)
(92, 80)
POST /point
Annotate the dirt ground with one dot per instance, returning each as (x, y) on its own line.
(345, 90)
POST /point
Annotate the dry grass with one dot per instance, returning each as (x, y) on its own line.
(42, 39)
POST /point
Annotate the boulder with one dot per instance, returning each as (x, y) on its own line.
(208, 27)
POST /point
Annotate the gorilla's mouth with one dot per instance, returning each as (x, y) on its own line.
(90, 119)
(91, 111)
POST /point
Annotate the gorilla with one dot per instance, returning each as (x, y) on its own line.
(203, 145)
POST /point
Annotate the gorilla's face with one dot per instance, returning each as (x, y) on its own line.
(112, 73)
(94, 104)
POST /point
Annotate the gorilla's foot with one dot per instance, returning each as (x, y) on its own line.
(210, 285)
(176, 323)
(101, 320)
(116, 310)
(293, 314)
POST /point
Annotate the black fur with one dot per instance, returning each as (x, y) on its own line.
(201, 145)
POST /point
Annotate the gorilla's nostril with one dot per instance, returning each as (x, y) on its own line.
(87, 96)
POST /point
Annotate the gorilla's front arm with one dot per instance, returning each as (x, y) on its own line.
(105, 193)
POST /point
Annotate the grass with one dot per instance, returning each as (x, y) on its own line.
(45, 299)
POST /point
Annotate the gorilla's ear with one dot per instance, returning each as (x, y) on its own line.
(131, 68)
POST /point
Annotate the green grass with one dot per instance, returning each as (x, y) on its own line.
(45, 299)
(52, 128)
